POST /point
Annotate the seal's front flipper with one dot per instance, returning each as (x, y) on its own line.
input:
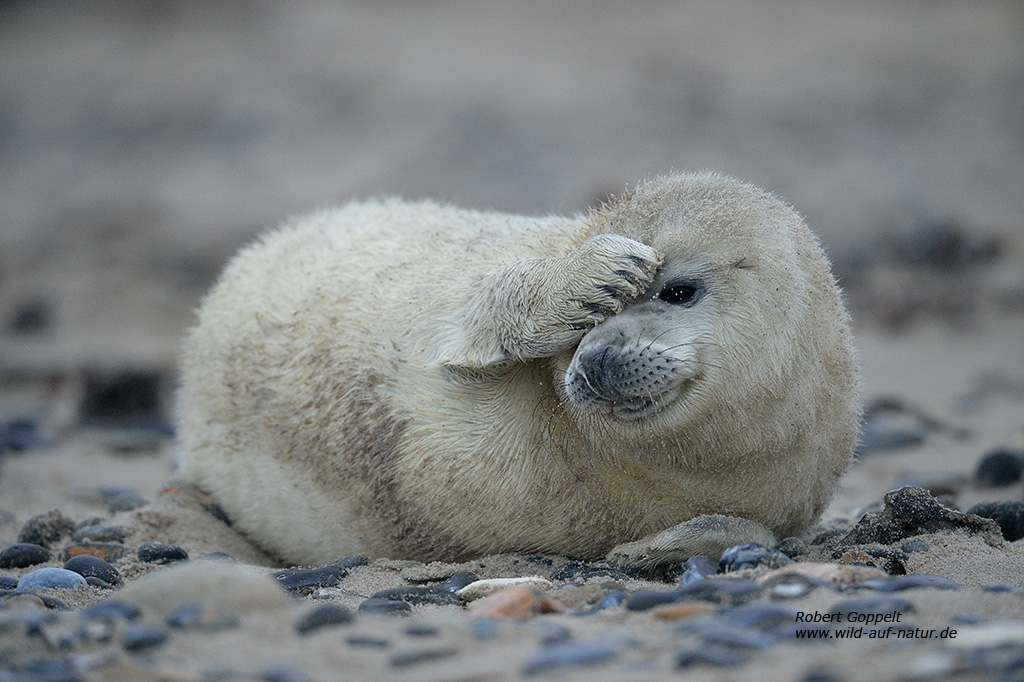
(710, 534)
(540, 307)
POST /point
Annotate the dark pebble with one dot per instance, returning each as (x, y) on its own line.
(999, 468)
(1009, 514)
(873, 605)
(307, 580)
(126, 502)
(717, 634)
(367, 640)
(420, 595)
(207, 616)
(139, 636)
(458, 581)
(22, 554)
(8, 583)
(93, 581)
(730, 591)
(751, 555)
(283, 673)
(19, 435)
(349, 562)
(642, 600)
(108, 551)
(761, 616)
(56, 578)
(697, 568)
(898, 583)
(386, 607)
(401, 659)
(888, 431)
(90, 566)
(325, 615)
(580, 571)
(570, 653)
(718, 656)
(46, 529)
(125, 398)
(156, 553)
(99, 533)
(420, 630)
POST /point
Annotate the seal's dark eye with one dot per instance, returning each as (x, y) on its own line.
(684, 292)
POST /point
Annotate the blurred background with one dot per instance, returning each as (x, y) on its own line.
(142, 143)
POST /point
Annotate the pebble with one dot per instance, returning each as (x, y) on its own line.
(999, 468)
(385, 607)
(23, 554)
(157, 553)
(208, 616)
(570, 654)
(420, 595)
(482, 588)
(421, 630)
(751, 555)
(697, 568)
(581, 572)
(108, 551)
(126, 502)
(89, 566)
(21, 434)
(823, 573)
(100, 533)
(347, 562)
(283, 673)
(367, 640)
(139, 636)
(402, 659)
(46, 529)
(458, 581)
(874, 605)
(325, 615)
(610, 600)
(761, 616)
(1009, 514)
(57, 578)
(717, 656)
(888, 430)
(236, 586)
(514, 602)
(731, 591)
(793, 547)
(307, 580)
(898, 583)
(735, 637)
(8, 583)
(112, 610)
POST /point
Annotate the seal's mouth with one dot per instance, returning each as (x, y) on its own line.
(635, 409)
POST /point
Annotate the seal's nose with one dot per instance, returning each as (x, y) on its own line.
(593, 376)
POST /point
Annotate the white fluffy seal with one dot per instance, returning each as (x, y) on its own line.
(417, 381)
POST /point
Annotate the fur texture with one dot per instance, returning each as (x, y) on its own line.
(411, 380)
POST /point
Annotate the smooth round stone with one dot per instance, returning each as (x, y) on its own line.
(295, 580)
(325, 615)
(765, 617)
(735, 637)
(420, 595)
(458, 581)
(793, 547)
(570, 654)
(1009, 514)
(751, 555)
(999, 468)
(89, 566)
(126, 502)
(367, 641)
(733, 591)
(22, 554)
(385, 607)
(156, 553)
(141, 636)
(642, 600)
(55, 578)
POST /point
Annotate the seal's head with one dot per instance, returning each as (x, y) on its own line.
(740, 344)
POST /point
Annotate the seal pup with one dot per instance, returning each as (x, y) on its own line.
(668, 375)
